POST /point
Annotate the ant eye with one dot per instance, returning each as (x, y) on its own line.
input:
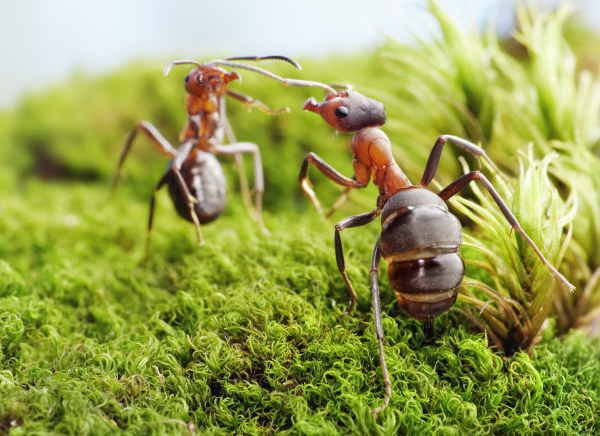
(187, 78)
(341, 112)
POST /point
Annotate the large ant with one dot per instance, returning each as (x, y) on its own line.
(420, 239)
(195, 179)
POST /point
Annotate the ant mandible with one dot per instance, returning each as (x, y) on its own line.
(195, 179)
(420, 239)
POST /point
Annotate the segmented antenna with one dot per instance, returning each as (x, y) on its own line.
(171, 64)
(342, 86)
(261, 58)
(286, 81)
(230, 63)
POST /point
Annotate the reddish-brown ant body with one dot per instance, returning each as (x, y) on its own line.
(420, 239)
(195, 179)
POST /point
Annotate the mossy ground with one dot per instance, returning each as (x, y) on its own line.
(241, 335)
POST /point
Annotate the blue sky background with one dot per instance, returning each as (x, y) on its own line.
(43, 41)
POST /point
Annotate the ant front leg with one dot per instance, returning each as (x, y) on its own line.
(340, 200)
(259, 183)
(436, 152)
(329, 172)
(249, 102)
(157, 139)
(237, 159)
(379, 326)
(353, 221)
(460, 183)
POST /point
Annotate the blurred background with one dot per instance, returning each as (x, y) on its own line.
(43, 43)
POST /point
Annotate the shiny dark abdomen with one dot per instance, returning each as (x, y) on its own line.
(205, 179)
(421, 245)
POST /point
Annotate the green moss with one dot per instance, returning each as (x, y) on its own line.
(241, 334)
(531, 94)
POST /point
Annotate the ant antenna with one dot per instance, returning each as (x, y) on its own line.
(342, 86)
(171, 64)
(240, 58)
(260, 58)
(287, 82)
(229, 63)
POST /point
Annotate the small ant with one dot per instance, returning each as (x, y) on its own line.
(420, 239)
(195, 179)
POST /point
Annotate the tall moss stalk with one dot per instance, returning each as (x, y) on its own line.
(510, 102)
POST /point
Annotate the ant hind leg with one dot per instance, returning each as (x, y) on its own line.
(379, 327)
(460, 183)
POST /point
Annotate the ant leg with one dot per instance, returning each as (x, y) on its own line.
(379, 326)
(249, 102)
(338, 203)
(159, 185)
(353, 221)
(244, 189)
(182, 154)
(239, 165)
(329, 172)
(157, 139)
(259, 183)
(436, 152)
(464, 180)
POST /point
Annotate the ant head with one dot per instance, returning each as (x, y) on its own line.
(205, 80)
(209, 78)
(349, 111)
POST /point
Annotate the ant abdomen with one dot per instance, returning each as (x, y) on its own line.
(205, 180)
(420, 241)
